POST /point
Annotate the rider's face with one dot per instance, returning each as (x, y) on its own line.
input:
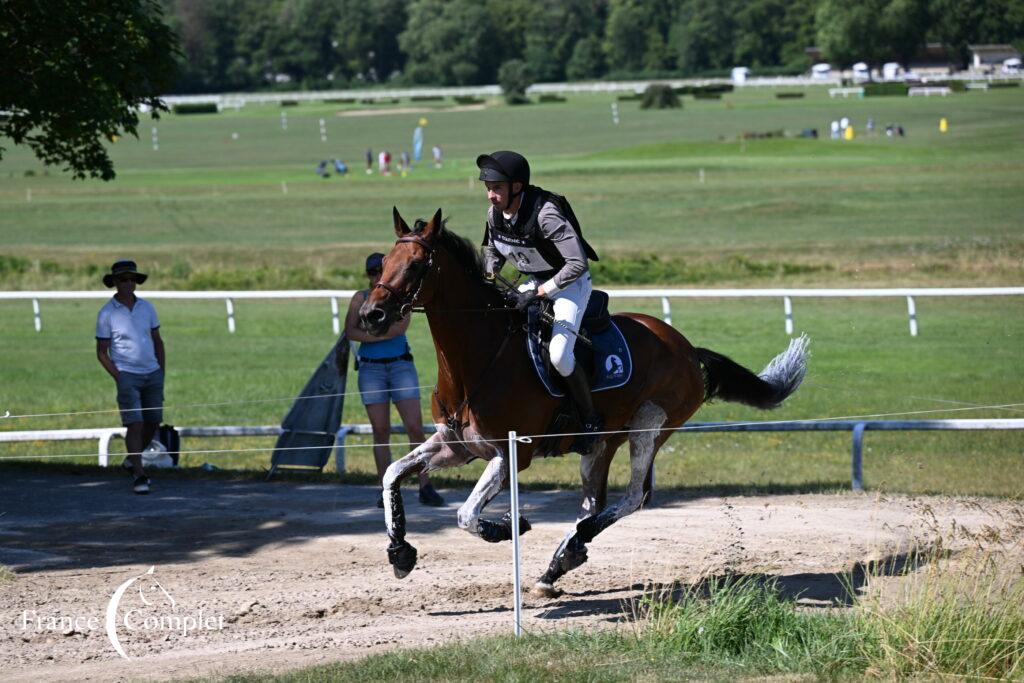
(373, 276)
(498, 192)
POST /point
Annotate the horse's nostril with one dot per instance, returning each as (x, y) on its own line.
(376, 316)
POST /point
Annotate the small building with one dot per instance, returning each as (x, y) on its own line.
(740, 74)
(991, 58)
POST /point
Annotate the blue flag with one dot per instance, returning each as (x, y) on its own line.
(417, 144)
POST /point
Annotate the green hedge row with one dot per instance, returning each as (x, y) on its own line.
(885, 89)
(195, 108)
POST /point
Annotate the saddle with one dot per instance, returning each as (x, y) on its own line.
(606, 357)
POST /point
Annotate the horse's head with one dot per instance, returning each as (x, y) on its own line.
(406, 268)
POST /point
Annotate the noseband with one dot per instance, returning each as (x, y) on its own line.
(406, 303)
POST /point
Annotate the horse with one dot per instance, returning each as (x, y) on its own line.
(486, 386)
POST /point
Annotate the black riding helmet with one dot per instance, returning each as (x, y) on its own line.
(505, 167)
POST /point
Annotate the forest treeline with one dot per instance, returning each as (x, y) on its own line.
(316, 44)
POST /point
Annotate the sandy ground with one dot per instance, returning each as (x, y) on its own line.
(283, 575)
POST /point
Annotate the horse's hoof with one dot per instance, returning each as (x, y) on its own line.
(545, 590)
(524, 523)
(402, 557)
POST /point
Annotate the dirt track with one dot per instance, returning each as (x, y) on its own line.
(292, 575)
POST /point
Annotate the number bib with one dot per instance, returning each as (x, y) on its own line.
(521, 252)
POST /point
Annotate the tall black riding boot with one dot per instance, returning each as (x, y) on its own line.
(578, 385)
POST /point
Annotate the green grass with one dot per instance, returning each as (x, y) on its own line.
(863, 363)
(949, 625)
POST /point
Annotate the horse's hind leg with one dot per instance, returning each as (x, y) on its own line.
(643, 444)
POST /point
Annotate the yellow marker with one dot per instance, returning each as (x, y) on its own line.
(943, 125)
(848, 133)
(423, 121)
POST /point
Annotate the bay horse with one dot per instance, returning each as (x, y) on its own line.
(486, 386)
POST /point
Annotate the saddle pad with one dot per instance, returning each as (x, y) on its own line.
(613, 363)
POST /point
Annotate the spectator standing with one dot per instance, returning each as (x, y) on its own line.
(436, 150)
(129, 347)
(369, 161)
(387, 374)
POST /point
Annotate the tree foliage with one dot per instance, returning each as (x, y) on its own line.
(73, 74)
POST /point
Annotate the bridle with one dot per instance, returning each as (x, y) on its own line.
(405, 303)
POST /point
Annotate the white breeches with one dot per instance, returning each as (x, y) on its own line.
(569, 307)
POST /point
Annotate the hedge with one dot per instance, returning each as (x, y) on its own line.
(195, 108)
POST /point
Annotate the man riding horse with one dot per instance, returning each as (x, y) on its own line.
(538, 233)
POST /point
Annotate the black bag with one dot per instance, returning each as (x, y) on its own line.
(169, 437)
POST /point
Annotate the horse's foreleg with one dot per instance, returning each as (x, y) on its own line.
(489, 486)
(401, 554)
(643, 444)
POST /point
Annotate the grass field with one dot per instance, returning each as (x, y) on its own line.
(209, 211)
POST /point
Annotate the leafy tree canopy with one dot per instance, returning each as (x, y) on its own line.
(74, 73)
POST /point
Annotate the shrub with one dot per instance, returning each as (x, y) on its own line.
(885, 89)
(551, 97)
(467, 99)
(426, 98)
(514, 77)
(289, 103)
(789, 95)
(660, 97)
(340, 100)
(195, 108)
(632, 97)
(1004, 84)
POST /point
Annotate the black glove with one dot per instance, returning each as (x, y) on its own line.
(523, 300)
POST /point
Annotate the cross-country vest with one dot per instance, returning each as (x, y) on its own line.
(524, 244)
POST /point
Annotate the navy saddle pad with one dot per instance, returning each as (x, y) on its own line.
(610, 358)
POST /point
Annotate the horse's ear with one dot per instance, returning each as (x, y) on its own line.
(401, 227)
(433, 226)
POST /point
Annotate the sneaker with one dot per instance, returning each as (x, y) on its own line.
(127, 465)
(141, 485)
(380, 500)
(428, 496)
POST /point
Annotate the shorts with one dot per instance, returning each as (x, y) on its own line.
(382, 382)
(137, 392)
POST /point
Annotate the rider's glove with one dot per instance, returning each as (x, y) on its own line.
(523, 300)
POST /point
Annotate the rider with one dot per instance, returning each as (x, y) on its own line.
(538, 232)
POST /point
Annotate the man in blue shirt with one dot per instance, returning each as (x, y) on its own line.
(129, 347)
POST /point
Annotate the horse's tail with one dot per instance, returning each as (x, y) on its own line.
(727, 380)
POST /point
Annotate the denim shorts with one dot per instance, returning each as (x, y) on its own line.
(382, 382)
(135, 392)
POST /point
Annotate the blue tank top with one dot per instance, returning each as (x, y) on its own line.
(386, 348)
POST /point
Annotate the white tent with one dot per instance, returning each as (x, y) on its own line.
(821, 70)
(740, 74)
(861, 72)
(1011, 65)
(891, 71)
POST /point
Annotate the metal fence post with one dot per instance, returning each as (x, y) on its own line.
(857, 458)
(513, 475)
(339, 447)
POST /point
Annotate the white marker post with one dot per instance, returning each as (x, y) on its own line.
(231, 315)
(284, 187)
(284, 120)
(513, 485)
(323, 131)
(700, 176)
(912, 312)
(335, 322)
(156, 140)
(615, 113)
(35, 314)
(787, 307)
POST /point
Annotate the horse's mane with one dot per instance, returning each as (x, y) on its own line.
(464, 253)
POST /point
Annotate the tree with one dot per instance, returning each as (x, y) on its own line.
(514, 78)
(73, 72)
(587, 60)
(873, 31)
(449, 43)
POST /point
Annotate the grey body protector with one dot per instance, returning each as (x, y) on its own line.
(524, 244)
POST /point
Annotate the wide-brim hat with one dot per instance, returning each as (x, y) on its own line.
(120, 268)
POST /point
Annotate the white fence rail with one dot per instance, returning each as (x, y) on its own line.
(787, 296)
(857, 427)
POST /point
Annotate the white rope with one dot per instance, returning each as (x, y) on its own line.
(8, 415)
(545, 435)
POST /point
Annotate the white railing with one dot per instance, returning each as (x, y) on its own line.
(857, 427)
(787, 296)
